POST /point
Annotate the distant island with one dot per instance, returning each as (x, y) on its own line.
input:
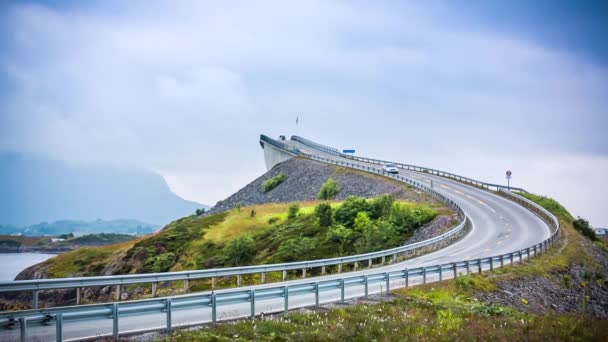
(57, 244)
(79, 227)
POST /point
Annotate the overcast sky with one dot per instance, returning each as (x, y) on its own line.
(185, 87)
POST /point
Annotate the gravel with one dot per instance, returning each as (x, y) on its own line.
(304, 180)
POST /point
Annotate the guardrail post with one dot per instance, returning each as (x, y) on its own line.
(440, 269)
(286, 295)
(339, 268)
(168, 312)
(115, 321)
(303, 273)
(383, 260)
(342, 291)
(455, 270)
(322, 270)
(491, 264)
(213, 284)
(238, 280)
(213, 307)
(186, 285)
(407, 277)
(511, 257)
(35, 299)
(535, 251)
(355, 266)
(528, 253)
(388, 283)
(424, 275)
(118, 292)
(520, 256)
(154, 289)
(317, 294)
(502, 261)
(468, 267)
(369, 263)
(252, 299)
(78, 296)
(263, 278)
(59, 327)
(394, 259)
(479, 266)
(366, 286)
(23, 328)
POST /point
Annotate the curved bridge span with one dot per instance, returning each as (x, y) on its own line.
(504, 228)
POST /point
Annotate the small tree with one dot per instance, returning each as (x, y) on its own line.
(324, 213)
(200, 212)
(239, 251)
(329, 190)
(293, 210)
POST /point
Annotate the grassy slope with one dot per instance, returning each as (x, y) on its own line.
(440, 311)
(197, 243)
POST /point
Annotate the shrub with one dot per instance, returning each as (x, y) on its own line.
(239, 251)
(329, 190)
(273, 220)
(273, 182)
(381, 206)
(567, 281)
(323, 212)
(160, 263)
(200, 212)
(584, 228)
(341, 235)
(296, 249)
(348, 211)
(293, 210)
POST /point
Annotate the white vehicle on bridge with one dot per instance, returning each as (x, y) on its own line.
(390, 168)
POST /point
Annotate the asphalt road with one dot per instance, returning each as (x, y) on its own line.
(499, 226)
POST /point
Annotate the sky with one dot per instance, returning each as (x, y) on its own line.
(184, 88)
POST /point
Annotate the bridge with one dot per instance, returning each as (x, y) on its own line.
(498, 227)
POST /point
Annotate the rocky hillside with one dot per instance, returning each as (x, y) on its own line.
(304, 178)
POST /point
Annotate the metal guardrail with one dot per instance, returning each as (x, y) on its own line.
(121, 280)
(213, 300)
(470, 181)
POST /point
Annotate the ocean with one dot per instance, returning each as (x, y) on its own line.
(13, 263)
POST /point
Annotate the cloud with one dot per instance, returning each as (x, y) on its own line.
(185, 87)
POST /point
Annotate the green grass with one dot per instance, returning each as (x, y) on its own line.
(432, 315)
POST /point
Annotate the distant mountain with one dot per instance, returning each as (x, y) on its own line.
(79, 227)
(35, 190)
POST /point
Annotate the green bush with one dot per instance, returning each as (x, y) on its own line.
(273, 220)
(584, 228)
(273, 182)
(296, 249)
(381, 206)
(329, 190)
(323, 212)
(567, 281)
(160, 263)
(293, 210)
(239, 251)
(347, 212)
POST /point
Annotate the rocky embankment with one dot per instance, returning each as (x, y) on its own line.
(580, 288)
(304, 180)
